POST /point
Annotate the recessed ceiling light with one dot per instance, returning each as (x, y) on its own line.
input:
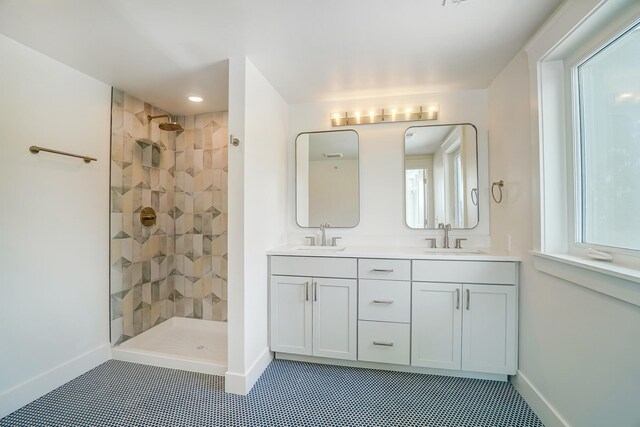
(196, 99)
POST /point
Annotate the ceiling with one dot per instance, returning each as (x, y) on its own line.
(421, 140)
(343, 142)
(162, 51)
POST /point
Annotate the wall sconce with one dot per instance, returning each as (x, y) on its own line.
(385, 116)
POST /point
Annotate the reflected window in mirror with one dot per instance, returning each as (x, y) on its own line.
(327, 179)
(441, 176)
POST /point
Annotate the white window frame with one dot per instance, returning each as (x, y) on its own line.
(622, 256)
(561, 254)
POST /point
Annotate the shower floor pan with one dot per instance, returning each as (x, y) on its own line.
(179, 343)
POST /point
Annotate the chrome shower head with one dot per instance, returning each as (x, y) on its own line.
(169, 125)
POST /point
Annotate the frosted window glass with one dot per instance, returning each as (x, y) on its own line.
(609, 96)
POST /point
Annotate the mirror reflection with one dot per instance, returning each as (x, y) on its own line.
(441, 176)
(327, 185)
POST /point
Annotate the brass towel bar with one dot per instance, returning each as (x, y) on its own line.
(35, 150)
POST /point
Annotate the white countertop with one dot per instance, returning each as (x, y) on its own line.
(393, 252)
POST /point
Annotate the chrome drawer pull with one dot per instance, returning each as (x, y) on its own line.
(383, 344)
(383, 270)
(306, 291)
(380, 301)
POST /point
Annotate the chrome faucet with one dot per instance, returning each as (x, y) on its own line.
(323, 227)
(446, 229)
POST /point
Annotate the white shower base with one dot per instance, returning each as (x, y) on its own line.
(179, 343)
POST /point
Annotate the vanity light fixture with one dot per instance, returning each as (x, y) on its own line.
(195, 99)
(385, 116)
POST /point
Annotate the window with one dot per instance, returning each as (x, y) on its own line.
(588, 85)
(458, 181)
(417, 197)
(608, 144)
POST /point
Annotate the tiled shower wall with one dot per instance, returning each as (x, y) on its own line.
(178, 266)
(201, 217)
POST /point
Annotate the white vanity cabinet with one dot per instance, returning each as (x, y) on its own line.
(464, 316)
(315, 314)
(447, 315)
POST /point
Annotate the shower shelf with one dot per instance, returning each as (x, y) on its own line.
(145, 142)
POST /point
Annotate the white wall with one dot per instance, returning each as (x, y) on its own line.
(382, 220)
(258, 116)
(54, 232)
(333, 191)
(579, 349)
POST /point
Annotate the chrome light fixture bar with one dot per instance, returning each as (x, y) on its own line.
(385, 116)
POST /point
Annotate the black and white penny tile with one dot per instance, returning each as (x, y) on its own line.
(289, 393)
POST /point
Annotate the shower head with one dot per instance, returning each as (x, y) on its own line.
(169, 125)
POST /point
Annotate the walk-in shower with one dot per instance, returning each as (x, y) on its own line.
(168, 237)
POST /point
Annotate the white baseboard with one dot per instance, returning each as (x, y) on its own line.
(35, 387)
(541, 406)
(391, 367)
(239, 383)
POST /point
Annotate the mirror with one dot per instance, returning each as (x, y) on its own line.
(327, 183)
(441, 176)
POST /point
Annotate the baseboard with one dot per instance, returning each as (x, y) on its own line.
(541, 406)
(238, 383)
(30, 390)
(391, 367)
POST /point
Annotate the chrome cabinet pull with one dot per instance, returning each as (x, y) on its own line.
(306, 291)
(382, 301)
(383, 343)
(468, 298)
(383, 270)
(457, 299)
(315, 291)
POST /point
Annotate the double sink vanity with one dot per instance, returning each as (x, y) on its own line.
(432, 311)
(450, 311)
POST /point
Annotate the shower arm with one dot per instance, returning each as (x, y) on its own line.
(150, 117)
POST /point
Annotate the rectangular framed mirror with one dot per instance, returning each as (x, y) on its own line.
(441, 176)
(327, 179)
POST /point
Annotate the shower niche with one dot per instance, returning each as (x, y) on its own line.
(168, 279)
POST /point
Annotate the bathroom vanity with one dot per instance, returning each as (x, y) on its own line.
(408, 309)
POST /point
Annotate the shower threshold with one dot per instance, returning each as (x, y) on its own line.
(179, 343)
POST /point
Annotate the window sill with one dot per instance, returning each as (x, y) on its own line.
(618, 282)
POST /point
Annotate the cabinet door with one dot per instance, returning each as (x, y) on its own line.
(436, 322)
(334, 318)
(489, 329)
(291, 314)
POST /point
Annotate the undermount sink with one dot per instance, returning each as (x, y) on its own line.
(452, 251)
(321, 248)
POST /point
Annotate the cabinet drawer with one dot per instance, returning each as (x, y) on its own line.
(384, 300)
(314, 266)
(383, 342)
(390, 269)
(491, 272)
